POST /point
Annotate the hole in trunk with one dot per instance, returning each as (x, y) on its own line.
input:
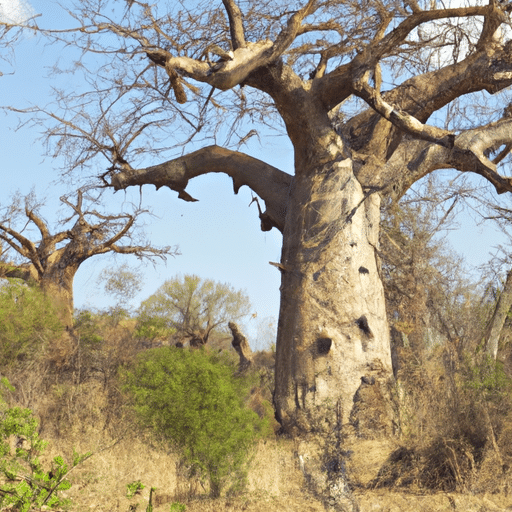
(323, 345)
(362, 323)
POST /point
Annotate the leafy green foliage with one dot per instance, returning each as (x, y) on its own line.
(134, 488)
(189, 305)
(488, 378)
(178, 507)
(194, 400)
(123, 284)
(149, 327)
(86, 326)
(28, 321)
(25, 483)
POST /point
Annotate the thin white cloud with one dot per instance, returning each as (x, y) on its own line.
(15, 11)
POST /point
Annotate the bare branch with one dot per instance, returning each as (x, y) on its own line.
(494, 17)
(402, 120)
(235, 24)
(26, 248)
(288, 34)
(225, 74)
(333, 87)
(271, 184)
(120, 234)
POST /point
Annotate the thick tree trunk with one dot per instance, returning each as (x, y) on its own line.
(57, 284)
(333, 359)
(333, 337)
(499, 316)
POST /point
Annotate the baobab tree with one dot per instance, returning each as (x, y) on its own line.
(53, 259)
(373, 95)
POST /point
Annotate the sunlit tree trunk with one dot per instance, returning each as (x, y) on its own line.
(499, 316)
(57, 285)
(333, 333)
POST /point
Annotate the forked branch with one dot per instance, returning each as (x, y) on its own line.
(468, 154)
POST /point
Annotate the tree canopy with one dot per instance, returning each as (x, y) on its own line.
(191, 308)
(160, 56)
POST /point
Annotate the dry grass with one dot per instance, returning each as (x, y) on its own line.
(446, 444)
(88, 415)
(275, 483)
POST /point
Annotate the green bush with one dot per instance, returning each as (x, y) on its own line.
(153, 327)
(87, 327)
(134, 488)
(24, 482)
(28, 321)
(195, 401)
(488, 378)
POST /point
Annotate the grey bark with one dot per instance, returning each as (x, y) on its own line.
(495, 326)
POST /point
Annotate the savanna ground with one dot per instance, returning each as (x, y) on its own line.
(452, 450)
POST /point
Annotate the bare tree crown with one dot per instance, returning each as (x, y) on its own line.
(401, 85)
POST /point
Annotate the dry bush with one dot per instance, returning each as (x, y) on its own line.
(454, 425)
(74, 384)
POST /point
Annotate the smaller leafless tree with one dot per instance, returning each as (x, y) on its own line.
(499, 271)
(431, 296)
(53, 259)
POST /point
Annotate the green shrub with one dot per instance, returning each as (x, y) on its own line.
(153, 327)
(28, 321)
(134, 488)
(195, 401)
(87, 327)
(488, 378)
(24, 482)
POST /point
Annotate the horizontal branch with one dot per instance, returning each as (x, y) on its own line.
(141, 251)
(222, 75)
(271, 184)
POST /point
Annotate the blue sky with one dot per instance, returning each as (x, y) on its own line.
(218, 236)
